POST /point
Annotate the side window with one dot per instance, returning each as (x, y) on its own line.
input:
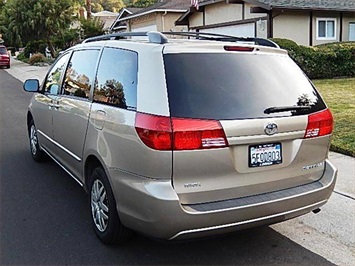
(52, 83)
(80, 73)
(116, 82)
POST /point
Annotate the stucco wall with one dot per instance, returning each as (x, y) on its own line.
(167, 22)
(293, 26)
(296, 26)
(196, 19)
(223, 13)
(163, 22)
(318, 15)
(220, 13)
(347, 19)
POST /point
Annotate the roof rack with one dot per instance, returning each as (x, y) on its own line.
(160, 38)
(224, 38)
(153, 36)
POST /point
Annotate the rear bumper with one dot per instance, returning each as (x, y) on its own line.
(152, 207)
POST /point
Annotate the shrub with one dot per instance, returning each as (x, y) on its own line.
(36, 58)
(35, 47)
(324, 61)
(22, 57)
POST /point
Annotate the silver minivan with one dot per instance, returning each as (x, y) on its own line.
(184, 138)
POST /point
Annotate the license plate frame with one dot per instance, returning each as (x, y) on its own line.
(262, 155)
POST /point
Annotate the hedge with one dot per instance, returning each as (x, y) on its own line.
(323, 61)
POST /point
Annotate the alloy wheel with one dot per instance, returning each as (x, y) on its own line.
(99, 205)
(33, 139)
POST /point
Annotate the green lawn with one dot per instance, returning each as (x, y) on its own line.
(339, 94)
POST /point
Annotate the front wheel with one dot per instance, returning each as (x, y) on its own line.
(36, 152)
(105, 219)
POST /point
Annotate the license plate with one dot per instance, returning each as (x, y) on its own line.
(265, 154)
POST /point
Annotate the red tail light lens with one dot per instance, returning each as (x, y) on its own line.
(319, 124)
(154, 131)
(163, 133)
(191, 134)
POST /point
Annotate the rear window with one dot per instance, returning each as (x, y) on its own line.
(3, 50)
(236, 86)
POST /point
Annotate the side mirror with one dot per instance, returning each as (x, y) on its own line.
(31, 85)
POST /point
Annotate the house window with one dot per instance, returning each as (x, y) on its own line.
(326, 29)
(352, 31)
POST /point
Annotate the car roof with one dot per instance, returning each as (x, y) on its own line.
(180, 42)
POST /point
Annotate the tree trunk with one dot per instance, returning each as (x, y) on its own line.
(51, 48)
(88, 9)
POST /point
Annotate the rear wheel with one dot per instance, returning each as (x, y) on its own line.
(105, 220)
(36, 152)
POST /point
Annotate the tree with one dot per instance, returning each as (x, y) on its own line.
(91, 27)
(144, 3)
(27, 20)
(112, 5)
(109, 5)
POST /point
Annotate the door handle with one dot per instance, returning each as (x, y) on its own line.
(99, 119)
(54, 104)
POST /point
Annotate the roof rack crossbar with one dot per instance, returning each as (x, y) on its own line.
(222, 37)
(153, 36)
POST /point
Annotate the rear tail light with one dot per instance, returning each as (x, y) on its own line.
(154, 131)
(190, 134)
(319, 124)
(165, 133)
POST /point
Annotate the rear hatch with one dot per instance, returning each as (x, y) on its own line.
(4, 57)
(244, 121)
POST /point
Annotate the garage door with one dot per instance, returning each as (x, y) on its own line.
(145, 28)
(243, 30)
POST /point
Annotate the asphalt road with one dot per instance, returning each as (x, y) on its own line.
(44, 217)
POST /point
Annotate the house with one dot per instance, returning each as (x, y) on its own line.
(120, 25)
(107, 17)
(307, 22)
(158, 17)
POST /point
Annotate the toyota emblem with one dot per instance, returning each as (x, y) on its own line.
(270, 129)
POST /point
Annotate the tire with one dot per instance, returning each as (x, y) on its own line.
(37, 154)
(8, 66)
(104, 216)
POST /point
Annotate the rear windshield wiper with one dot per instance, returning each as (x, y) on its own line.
(280, 109)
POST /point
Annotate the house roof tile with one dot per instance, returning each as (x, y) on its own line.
(309, 4)
(167, 4)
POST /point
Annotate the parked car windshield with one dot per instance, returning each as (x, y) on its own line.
(236, 86)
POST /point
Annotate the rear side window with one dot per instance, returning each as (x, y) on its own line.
(236, 86)
(80, 73)
(116, 82)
